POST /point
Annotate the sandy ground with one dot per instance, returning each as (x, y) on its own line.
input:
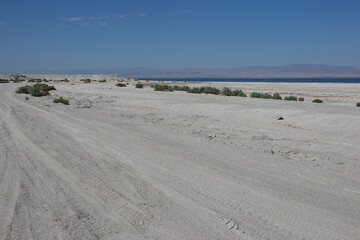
(140, 164)
(335, 93)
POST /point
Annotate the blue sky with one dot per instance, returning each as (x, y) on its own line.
(52, 35)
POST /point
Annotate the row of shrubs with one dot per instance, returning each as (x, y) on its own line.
(37, 90)
(229, 92)
(138, 85)
(167, 88)
(293, 98)
(206, 90)
(275, 96)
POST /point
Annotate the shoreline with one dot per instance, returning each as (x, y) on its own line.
(260, 80)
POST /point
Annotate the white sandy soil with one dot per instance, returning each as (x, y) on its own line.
(127, 163)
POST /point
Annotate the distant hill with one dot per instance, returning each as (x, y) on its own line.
(285, 71)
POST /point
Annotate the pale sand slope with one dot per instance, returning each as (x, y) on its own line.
(141, 164)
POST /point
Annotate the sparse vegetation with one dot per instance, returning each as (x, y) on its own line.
(301, 99)
(4, 81)
(210, 90)
(358, 104)
(167, 88)
(86, 80)
(290, 98)
(17, 80)
(275, 96)
(37, 90)
(228, 92)
(206, 90)
(199, 90)
(163, 88)
(61, 100)
(120, 85)
(239, 93)
(102, 81)
(194, 90)
(35, 80)
(317, 101)
(181, 88)
(139, 85)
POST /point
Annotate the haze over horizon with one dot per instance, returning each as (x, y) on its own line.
(53, 36)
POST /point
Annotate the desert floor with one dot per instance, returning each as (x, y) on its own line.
(140, 164)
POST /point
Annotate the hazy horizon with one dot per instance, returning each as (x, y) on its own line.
(261, 72)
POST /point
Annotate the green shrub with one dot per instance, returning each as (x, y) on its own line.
(102, 80)
(139, 85)
(358, 104)
(180, 88)
(86, 80)
(239, 93)
(194, 90)
(260, 95)
(37, 90)
(210, 90)
(65, 80)
(35, 80)
(290, 98)
(17, 80)
(120, 85)
(317, 101)
(228, 92)
(275, 96)
(198, 90)
(163, 88)
(61, 100)
(4, 81)
(301, 99)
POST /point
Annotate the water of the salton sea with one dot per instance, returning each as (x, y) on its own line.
(295, 80)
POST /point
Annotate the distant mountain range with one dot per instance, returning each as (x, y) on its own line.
(284, 71)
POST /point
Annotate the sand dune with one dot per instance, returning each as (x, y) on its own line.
(140, 164)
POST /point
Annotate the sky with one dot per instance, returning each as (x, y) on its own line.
(53, 35)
